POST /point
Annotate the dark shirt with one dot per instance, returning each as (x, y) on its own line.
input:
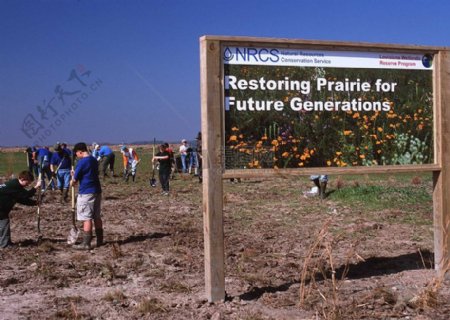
(30, 152)
(12, 192)
(164, 164)
(62, 158)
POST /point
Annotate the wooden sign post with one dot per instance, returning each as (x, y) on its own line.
(225, 61)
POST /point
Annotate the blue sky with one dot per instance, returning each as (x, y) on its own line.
(137, 61)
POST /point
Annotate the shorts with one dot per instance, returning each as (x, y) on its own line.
(89, 206)
(322, 178)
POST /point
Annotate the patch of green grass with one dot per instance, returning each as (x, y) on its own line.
(12, 163)
(377, 197)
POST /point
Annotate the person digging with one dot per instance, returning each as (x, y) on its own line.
(12, 192)
(89, 196)
(130, 162)
(60, 166)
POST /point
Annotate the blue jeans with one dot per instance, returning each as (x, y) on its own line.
(183, 162)
(63, 178)
(193, 160)
(164, 178)
(5, 233)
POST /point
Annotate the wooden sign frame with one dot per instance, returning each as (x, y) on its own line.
(212, 126)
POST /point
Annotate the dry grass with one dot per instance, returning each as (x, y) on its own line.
(116, 295)
(429, 296)
(151, 305)
(116, 251)
(107, 271)
(339, 183)
(70, 309)
(416, 181)
(46, 246)
(324, 298)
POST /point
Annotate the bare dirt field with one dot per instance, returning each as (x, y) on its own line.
(287, 256)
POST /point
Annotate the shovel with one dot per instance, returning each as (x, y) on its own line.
(39, 199)
(54, 175)
(153, 180)
(74, 231)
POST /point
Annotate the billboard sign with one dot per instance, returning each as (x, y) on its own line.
(293, 108)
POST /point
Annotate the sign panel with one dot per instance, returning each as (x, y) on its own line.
(321, 58)
(292, 108)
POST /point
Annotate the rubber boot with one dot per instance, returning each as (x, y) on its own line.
(66, 195)
(133, 177)
(61, 200)
(99, 236)
(86, 244)
(322, 188)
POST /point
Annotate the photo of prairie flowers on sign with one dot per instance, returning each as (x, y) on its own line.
(294, 117)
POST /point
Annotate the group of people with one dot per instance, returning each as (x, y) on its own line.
(52, 168)
(86, 175)
(106, 160)
(56, 170)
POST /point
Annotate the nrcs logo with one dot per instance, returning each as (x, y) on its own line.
(252, 55)
(427, 60)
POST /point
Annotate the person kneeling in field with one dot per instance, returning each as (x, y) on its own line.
(12, 192)
(320, 182)
(89, 196)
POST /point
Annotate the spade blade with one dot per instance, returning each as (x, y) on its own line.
(73, 235)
